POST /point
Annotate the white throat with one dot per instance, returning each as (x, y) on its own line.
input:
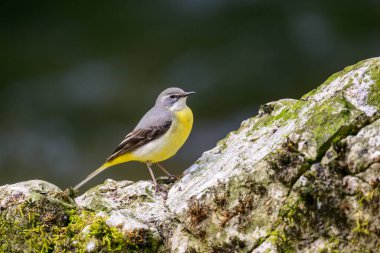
(179, 105)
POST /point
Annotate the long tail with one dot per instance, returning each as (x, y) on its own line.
(93, 174)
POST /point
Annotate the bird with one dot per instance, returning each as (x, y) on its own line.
(158, 136)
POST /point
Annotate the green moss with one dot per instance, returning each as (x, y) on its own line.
(368, 198)
(289, 211)
(40, 226)
(30, 225)
(361, 227)
(374, 93)
(332, 121)
(283, 244)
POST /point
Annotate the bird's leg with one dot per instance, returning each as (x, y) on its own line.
(148, 164)
(165, 171)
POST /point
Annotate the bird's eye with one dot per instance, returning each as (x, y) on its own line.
(172, 96)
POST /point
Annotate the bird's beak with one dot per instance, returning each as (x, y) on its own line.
(189, 93)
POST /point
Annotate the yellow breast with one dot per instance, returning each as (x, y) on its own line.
(183, 126)
(166, 146)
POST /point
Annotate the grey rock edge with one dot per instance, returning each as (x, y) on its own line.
(303, 175)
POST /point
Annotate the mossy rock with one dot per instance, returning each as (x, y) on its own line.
(254, 170)
(36, 216)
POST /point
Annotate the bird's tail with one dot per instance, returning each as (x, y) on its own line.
(93, 174)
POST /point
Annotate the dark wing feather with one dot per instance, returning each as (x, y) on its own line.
(139, 137)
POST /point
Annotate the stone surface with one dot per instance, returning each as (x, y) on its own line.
(36, 216)
(130, 207)
(234, 195)
(303, 175)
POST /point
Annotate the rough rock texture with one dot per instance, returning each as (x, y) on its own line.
(303, 175)
(36, 216)
(255, 190)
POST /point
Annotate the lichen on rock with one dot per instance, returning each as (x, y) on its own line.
(256, 167)
(332, 208)
(36, 216)
(303, 175)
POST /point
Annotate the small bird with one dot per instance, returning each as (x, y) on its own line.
(158, 136)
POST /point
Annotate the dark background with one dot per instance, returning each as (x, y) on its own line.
(75, 77)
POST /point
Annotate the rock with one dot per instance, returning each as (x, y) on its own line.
(28, 213)
(234, 195)
(37, 216)
(331, 209)
(137, 199)
(130, 207)
(303, 175)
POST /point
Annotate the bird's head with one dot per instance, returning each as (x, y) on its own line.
(173, 99)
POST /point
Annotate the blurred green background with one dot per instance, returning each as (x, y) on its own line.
(76, 76)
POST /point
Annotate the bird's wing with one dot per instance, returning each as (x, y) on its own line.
(139, 137)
